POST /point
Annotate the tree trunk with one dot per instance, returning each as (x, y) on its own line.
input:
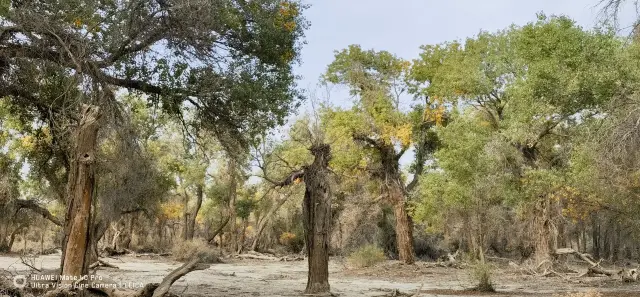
(223, 223)
(80, 196)
(233, 184)
(595, 236)
(192, 222)
(404, 234)
(242, 236)
(185, 216)
(266, 219)
(316, 209)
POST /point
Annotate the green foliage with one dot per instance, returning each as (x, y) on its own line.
(367, 256)
(482, 276)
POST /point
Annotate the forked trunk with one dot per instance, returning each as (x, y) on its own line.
(317, 219)
(80, 196)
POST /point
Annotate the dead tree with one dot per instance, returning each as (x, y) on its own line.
(80, 195)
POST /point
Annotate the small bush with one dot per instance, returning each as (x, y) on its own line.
(186, 250)
(482, 276)
(581, 294)
(292, 242)
(366, 256)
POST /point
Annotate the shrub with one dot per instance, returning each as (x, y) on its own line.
(366, 256)
(292, 242)
(482, 276)
(186, 250)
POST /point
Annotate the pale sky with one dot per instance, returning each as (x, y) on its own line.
(402, 26)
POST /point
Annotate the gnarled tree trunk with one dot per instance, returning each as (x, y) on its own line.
(317, 219)
(80, 196)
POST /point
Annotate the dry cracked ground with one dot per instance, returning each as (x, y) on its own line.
(270, 278)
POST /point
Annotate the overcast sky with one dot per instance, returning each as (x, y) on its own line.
(402, 26)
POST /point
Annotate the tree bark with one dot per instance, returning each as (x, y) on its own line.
(218, 231)
(185, 216)
(404, 234)
(192, 223)
(233, 184)
(80, 195)
(316, 209)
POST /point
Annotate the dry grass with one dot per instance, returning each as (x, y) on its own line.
(366, 256)
(184, 251)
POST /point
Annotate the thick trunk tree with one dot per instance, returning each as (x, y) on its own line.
(80, 195)
(396, 192)
(316, 209)
(404, 232)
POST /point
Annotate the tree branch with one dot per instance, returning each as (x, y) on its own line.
(33, 206)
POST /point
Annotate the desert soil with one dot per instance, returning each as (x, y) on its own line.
(270, 278)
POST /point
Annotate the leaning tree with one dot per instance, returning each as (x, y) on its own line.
(62, 64)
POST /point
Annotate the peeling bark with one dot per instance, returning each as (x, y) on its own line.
(80, 195)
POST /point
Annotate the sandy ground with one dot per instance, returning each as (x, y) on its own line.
(270, 278)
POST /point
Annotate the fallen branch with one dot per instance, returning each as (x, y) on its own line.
(108, 288)
(595, 266)
(168, 280)
(101, 263)
(259, 256)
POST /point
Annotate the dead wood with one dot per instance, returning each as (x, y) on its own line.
(594, 269)
(267, 257)
(108, 287)
(115, 252)
(168, 280)
(101, 263)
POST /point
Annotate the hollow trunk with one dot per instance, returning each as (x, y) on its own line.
(316, 208)
(80, 196)
(192, 223)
